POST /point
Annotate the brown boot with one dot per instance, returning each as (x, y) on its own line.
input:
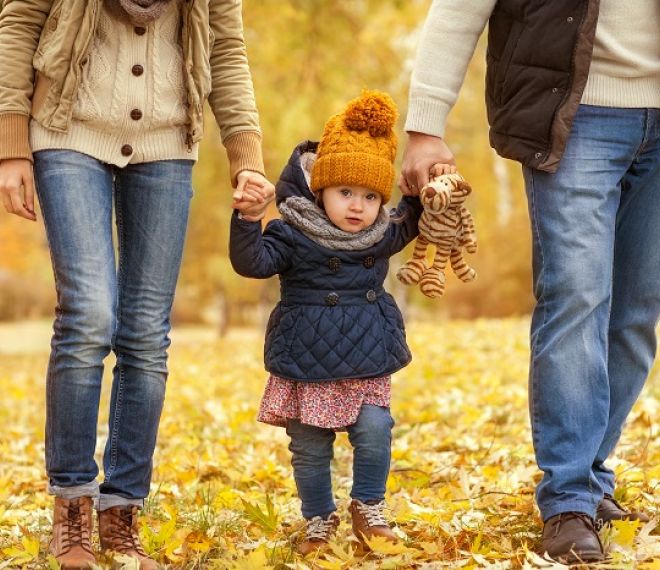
(71, 544)
(571, 538)
(369, 521)
(319, 531)
(118, 531)
(610, 510)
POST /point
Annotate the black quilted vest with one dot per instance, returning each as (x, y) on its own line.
(539, 53)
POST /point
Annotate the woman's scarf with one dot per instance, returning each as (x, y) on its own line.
(139, 12)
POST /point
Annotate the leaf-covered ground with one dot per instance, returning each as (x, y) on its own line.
(460, 491)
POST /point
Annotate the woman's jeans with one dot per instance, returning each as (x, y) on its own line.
(103, 305)
(312, 450)
(596, 260)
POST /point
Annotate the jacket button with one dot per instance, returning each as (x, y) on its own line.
(538, 155)
(137, 70)
(371, 295)
(140, 30)
(136, 114)
(569, 19)
(331, 299)
(127, 150)
(369, 261)
(334, 263)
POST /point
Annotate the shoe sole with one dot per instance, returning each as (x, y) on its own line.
(578, 559)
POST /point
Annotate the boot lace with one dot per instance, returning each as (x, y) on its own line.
(76, 529)
(564, 517)
(126, 537)
(373, 514)
(319, 528)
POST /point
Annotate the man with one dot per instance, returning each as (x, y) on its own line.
(573, 93)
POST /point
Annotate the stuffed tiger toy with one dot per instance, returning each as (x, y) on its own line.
(447, 224)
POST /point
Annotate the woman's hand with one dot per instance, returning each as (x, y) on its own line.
(17, 187)
(252, 195)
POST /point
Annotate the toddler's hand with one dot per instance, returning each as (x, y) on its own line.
(252, 195)
(438, 169)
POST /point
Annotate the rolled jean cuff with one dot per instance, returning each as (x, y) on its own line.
(586, 507)
(104, 502)
(90, 489)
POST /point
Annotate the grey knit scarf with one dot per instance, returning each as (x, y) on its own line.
(315, 224)
(138, 11)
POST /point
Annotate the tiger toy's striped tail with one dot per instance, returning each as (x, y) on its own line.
(448, 225)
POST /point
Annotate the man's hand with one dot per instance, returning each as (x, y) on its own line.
(17, 187)
(252, 195)
(422, 153)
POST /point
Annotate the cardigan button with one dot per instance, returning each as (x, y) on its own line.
(140, 30)
(136, 114)
(331, 299)
(369, 261)
(371, 296)
(137, 70)
(127, 150)
(334, 263)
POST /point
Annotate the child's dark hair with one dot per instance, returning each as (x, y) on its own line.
(318, 199)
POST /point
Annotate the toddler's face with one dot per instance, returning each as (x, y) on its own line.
(351, 208)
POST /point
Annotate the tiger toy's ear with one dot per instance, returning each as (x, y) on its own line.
(463, 188)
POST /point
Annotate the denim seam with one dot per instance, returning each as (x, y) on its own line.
(645, 138)
(537, 233)
(116, 413)
(53, 352)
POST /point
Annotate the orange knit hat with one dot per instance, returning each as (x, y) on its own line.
(358, 146)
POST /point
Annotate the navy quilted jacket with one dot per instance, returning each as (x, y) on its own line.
(334, 320)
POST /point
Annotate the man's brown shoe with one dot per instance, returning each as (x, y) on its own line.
(610, 510)
(571, 538)
(318, 532)
(118, 531)
(71, 544)
(369, 521)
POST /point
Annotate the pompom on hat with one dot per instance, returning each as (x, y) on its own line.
(358, 146)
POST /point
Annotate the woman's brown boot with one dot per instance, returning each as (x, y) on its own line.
(71, 544)
(118, 531)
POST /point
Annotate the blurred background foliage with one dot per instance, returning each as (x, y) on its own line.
(308, 57)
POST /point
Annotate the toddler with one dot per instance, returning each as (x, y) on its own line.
(336, 335)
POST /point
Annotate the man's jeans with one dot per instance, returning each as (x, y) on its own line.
(312, 449)
(103, 306)
(596, 260)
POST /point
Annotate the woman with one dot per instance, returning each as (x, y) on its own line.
(102, 100)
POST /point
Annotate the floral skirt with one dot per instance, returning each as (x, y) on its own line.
(333, 404)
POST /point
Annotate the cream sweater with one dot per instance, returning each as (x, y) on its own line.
(624, 72)
(131, 97)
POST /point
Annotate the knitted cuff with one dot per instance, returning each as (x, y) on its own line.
(244, 153)
(14, 139)
(426, 115)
